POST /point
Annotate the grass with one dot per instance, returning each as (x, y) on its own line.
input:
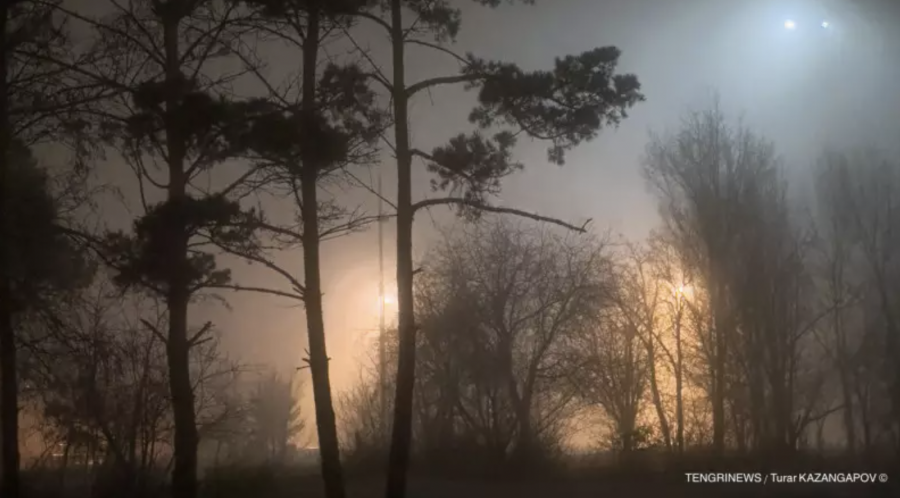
(650, 477)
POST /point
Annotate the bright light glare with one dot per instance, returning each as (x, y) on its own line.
(825, 24)
(389, 299)
(790, 24)
(683, 290)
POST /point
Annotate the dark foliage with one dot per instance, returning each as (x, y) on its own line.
(565, 106)
(43, 259)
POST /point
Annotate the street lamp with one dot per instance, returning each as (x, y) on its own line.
(683, 290)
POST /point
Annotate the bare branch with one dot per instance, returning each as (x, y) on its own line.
(440, 80)
(459, 201)
(462, 60)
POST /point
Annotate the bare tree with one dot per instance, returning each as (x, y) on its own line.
(675, 337)
(841, 283)
(862, 185)
(614, 373)
(725, 207)
(641, 296)
(527, 292)
(778, 315)
(462, 397)
(99, 373)
(361, 424)
(698, 173)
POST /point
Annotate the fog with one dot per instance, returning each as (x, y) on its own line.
(803, 89)
(811, 76)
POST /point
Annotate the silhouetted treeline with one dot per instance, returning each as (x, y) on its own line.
(150, 145)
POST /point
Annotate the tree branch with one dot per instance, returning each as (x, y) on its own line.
(153, 329)
(377, 20)
(196, 338)
(459, 201)
(462, 60)
(428, 157)
(440, 80)
(260, 290)
(378, 75)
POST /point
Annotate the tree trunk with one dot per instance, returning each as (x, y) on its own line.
(719, 361)
(837, 282)
(864, 416)
(847, 395)
(184, 471)
(521, 402)
(781, 413)
(9, 398)
(890, 359)
(9, 385)
(679, 385)
(626, 432)
(525, 443)
(654, 392)
(326, 425)
(740, 429)
(401, 433)
(892, 372)
(64, 465)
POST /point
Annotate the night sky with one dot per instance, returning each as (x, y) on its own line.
(805, 89)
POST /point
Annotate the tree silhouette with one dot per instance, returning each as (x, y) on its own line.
(101, 379)
(38, 103)
(564, 106)
(858, 189)
(726, 211)
(40, 263)
(319, 123)
(168, 112)
(526, 295)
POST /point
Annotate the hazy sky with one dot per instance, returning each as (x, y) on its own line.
(803, 89)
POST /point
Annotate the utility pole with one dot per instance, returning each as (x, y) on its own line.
(382, 352)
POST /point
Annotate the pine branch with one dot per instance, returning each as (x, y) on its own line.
(459, 201)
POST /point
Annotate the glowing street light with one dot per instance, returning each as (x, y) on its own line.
(385, 304)
(683, 290)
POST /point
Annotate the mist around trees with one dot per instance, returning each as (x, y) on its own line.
(752, 323)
